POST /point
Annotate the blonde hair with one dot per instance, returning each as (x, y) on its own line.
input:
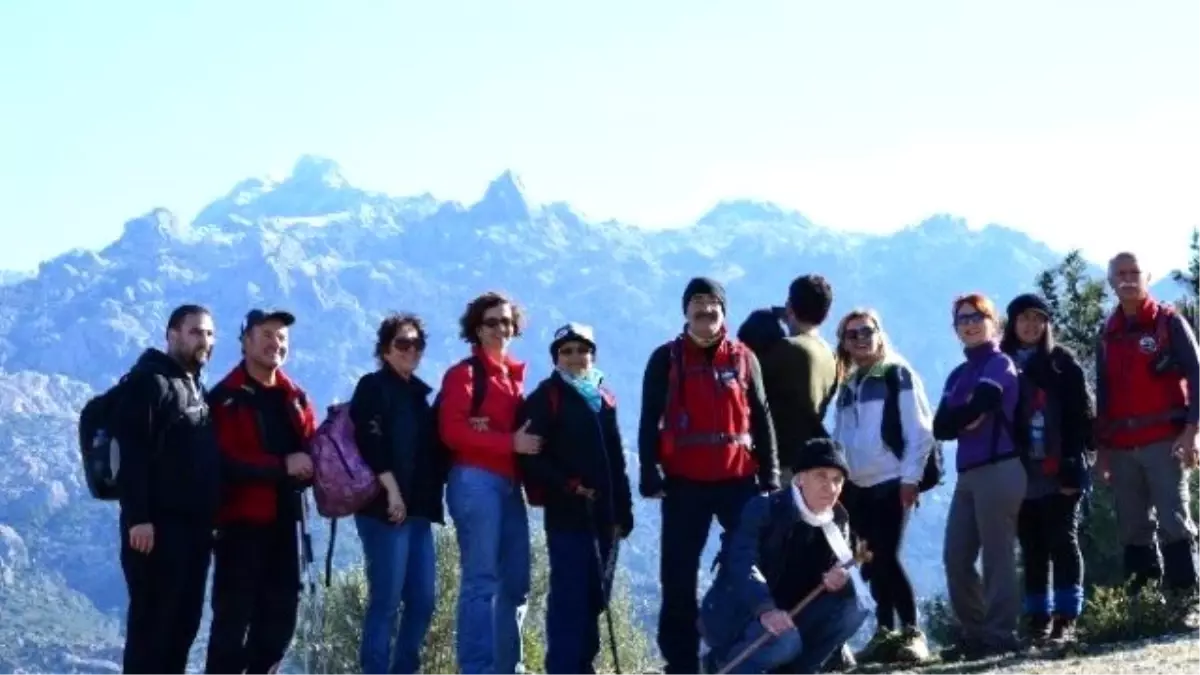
(845, 361)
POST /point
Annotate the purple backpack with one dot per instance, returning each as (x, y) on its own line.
(342, 482)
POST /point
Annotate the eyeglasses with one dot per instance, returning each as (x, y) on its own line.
(969, 318)
(493, 322)
(574, 350)
(405, 344)
(860, 333)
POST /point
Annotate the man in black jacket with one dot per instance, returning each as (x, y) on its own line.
(169, 488)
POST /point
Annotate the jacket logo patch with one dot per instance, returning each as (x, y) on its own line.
(1148, 345)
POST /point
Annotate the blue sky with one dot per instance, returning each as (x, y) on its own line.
(1073, 120)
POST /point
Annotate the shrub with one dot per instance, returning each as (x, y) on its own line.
(345, 605)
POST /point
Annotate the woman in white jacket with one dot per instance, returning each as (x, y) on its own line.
(881, 404)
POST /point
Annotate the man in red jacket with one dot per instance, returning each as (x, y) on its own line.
(706, 446)
(1147, 408)
(263, 422)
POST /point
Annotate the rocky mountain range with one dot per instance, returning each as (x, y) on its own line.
(340, 257)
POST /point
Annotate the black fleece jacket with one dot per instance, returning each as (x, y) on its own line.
(170, 461)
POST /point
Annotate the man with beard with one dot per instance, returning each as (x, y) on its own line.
(168, 490)
(1147, 408)
(263, 422)
(707, 446)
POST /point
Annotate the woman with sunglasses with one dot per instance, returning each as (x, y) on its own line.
(978, 405)
(394, 431)
(483, 488)
(885, 423)
(580, 474)
(1059, 411)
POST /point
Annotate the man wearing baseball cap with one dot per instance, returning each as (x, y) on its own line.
(706, 446)
(263, 421)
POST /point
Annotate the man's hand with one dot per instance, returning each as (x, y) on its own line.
(299, 465)
(835, 579)
(141, 538)
(525, 443)
(396, 509)
(908, 495)
(776, 621)
(1186, 449)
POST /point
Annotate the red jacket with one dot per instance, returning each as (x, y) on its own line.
(1140, 406)
(491, 448)
(252, 475)
(706, 425)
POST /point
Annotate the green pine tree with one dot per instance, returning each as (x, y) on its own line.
(1189, 303)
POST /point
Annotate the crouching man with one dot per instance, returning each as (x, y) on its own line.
(786, 544)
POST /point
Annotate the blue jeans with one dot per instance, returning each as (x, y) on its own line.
(492, 529)
(400, 566)
(576, 600)
(819, 631)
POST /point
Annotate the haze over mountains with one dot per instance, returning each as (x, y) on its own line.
(340, 258)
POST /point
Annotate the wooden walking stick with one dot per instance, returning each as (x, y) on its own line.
(861, 555)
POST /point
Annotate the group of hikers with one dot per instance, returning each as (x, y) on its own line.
(731, 427)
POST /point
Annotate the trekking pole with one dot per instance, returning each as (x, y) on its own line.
(607, 570)
(316, 618)
(862, 556)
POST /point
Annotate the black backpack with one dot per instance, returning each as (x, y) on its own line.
(479, 385)
(893, 434)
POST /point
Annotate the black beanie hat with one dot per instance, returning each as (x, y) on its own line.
(821, 453)
(1025, 302)
(699, 285)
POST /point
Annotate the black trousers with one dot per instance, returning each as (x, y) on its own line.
(255, 599)
(878, 517)
(688, 509)
(166, 596)
(1048, 530)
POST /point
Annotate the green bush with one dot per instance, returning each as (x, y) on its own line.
(1114, 614)
(345, 604)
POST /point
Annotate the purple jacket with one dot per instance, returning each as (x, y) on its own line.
(985, 384)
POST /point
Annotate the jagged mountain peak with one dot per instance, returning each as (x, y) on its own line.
(729, 211)
(314, 170)
(153, 227)
(504, 200)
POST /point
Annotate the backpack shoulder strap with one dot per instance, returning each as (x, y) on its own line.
(891, 431)
(674, 373)
(479, 383)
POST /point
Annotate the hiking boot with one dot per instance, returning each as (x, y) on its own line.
(964, 650)
(840, 661)
(879, 648)
(910, 646)
(1063, 631)
(1038, 627)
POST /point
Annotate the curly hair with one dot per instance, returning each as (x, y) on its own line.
(390, 326)
(472, 318)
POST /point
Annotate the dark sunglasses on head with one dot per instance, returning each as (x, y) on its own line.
(969, 318)
(404, 344)
(860, 333)
(572, 350)
(492, 322)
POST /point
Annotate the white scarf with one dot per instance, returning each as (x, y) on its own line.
(837, 543)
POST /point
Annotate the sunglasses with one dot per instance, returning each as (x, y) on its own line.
(969, 319)
(860, 333)
(574, 350)
(405, 344)
(492, 322)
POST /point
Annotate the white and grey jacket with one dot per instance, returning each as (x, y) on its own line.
(859, 425)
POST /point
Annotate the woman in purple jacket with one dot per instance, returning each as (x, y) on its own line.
(976, 410)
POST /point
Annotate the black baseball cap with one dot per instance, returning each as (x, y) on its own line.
(258, 316)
